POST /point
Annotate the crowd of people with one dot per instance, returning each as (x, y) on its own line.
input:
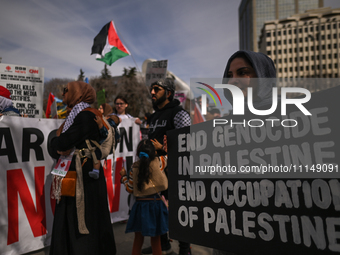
(82, 223)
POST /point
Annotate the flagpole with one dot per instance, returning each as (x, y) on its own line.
(128, 47)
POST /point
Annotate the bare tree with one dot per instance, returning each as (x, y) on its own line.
(135, 92)
(106, 74)
(110, 86)
(127, 85)
(81, 76)
(54, 86)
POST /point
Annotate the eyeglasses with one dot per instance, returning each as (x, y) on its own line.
(156, 89)
(65, 90)
(119, 103)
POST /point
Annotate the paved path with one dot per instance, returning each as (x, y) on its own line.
(124, 243)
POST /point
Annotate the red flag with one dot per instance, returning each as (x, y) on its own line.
(198, 117)
(49, 104)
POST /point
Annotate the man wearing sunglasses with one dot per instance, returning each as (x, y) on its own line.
(168, 115)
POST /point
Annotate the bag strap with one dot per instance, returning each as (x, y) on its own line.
(159, 194)
(94, 157)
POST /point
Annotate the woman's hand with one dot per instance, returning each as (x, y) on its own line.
(99, 121)
(158, 145)
(122, 172)
(64, 153)
(138, 121)
(165, 144)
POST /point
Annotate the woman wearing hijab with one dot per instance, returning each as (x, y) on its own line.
(242, 69)
(82, 223)
(105, 109)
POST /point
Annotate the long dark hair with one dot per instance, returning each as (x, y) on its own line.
(144, 175)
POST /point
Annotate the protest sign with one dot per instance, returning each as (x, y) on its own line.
(26, 209)
(101, 97)
(252, 185)
(155, 71)
(181, 97)
(26, 84)
(125, 155)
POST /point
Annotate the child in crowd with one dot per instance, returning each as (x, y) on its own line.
(149, 215)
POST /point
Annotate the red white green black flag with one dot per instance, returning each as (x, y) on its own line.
(108, 46)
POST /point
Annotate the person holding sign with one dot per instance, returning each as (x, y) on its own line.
(82, 223)
(121, 105)
(241, 68)
(168, 115)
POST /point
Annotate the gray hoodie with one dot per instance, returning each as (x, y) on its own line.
(264, 68)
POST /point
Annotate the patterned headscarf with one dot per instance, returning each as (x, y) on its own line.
(107, 109)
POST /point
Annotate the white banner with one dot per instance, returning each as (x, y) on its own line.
(26, 84)
(125, 154)
(26, 210)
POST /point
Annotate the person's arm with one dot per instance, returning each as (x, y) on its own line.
(182, 119)
(83, 127)
(127, 181)
(163, 163)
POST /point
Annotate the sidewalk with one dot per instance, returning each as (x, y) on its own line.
(124, 243)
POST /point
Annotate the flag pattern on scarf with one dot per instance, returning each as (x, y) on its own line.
(107, 45)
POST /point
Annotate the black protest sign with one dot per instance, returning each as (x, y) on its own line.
(259, 189)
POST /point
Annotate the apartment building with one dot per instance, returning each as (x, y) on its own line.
(304, 45)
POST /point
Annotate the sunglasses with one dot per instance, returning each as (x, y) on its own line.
(65, 90)
(156, 89)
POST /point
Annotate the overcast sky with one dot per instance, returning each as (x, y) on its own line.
(197, 37)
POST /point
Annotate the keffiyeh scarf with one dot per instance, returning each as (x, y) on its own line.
(74, 112)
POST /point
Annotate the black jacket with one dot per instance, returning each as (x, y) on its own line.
(162, 120)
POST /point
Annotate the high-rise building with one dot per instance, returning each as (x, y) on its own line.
(253, 14)
(304, 45)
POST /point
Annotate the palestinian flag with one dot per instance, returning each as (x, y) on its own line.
(107, 45)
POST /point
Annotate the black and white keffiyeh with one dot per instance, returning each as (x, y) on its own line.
(182, 119)
(74, 112)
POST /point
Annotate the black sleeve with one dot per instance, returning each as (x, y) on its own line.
(84, 127)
